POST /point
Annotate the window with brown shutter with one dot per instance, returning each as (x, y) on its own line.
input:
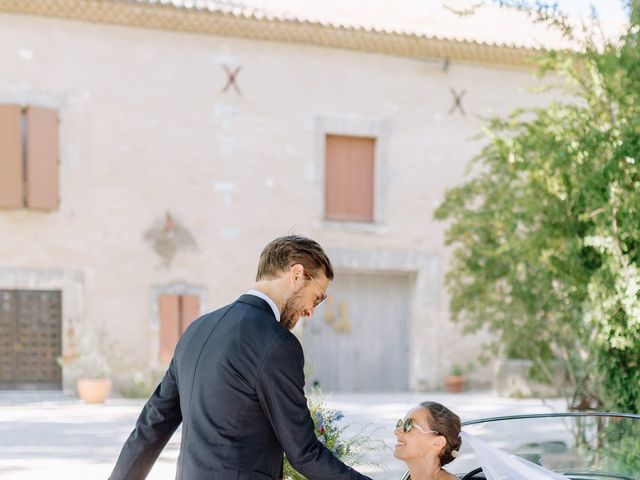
(176, 314)
(189, 310)
(11, 178)
(349, 178)
(42, 159)
(28, 157)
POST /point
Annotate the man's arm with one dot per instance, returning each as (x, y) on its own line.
(280, 388)
(158, 420)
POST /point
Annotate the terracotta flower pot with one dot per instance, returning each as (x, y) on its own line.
(454, 383)
(94, 390)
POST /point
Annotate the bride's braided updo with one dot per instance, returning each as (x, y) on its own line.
(447, 424)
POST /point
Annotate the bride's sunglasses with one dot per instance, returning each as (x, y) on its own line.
(408, 424)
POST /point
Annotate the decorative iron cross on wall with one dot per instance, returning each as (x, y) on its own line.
(457, 101)
(231, 79)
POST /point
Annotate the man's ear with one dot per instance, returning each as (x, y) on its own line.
(296, 273)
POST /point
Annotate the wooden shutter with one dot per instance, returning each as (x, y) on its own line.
(349, 178)
(11, 179)
(177, 312)
(189, 310)
(42, 158)
(169, 308)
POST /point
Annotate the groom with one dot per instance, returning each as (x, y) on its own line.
(236, 383)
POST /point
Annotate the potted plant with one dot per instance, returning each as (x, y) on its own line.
(94, 380)
(454, 382)
(90, 367)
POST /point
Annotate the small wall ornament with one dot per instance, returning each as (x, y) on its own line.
(343, 325)
(339, 323)
(329, 314)
(167, 237)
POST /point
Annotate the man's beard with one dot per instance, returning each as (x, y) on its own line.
(291, 313)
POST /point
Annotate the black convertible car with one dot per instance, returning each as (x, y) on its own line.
(581, 446)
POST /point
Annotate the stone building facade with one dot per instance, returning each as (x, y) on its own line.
(178, 138)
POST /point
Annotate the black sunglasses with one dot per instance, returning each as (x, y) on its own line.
(408, 424)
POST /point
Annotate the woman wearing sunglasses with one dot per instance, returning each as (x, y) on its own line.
(427, 439)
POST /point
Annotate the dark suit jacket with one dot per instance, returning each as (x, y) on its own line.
(236, 383)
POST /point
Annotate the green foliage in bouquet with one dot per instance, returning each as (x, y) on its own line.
(351, 449)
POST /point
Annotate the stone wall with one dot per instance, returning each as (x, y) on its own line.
(145, 129)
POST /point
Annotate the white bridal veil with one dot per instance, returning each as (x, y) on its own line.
(499, 465)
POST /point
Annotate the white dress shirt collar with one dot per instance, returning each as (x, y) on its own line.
(267, 299)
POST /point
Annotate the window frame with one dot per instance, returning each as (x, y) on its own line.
(354, 126)
(339, 212)
(38, 168)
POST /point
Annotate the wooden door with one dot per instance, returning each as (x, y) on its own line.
(358, 339)
(30, 339)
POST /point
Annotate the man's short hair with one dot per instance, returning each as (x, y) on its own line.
(284, 252)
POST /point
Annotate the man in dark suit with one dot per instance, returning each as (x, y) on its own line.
(236, 383)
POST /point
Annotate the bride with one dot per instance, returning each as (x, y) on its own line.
(430, 436)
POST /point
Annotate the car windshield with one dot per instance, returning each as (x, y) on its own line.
(581, 446)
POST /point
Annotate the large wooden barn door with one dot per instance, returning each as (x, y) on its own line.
(358, 339)
(30, 339)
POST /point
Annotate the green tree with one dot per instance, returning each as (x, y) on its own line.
(546, 231)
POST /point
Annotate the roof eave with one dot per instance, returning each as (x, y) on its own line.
(254, 26)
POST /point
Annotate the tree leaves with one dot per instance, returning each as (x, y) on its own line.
(546, 232)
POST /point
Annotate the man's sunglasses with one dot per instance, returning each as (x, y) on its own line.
(324, 295)
(408, 424)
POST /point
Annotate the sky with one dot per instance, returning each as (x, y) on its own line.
(607, 9)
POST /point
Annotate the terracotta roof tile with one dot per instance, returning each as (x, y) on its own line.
(423, 29)
(457, 20)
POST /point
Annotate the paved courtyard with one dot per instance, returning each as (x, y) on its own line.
(53, 436)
